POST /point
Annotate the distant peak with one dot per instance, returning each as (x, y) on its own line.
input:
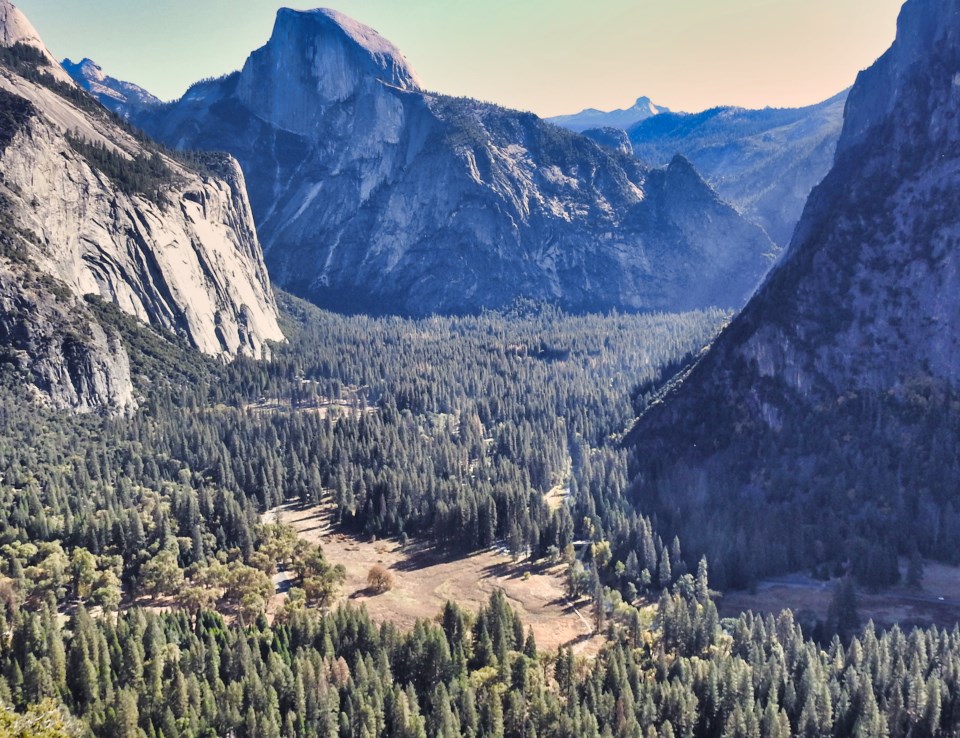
(86, 67)
(647, 105)
(624, 118)
(85, 63)
(119, 96)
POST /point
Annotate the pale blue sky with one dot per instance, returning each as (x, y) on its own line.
(549, 56)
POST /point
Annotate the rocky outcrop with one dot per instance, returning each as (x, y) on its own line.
(825, 415)
(765, 162)
(51, 339)
(612, 138)
(182, 256)
(122, 98)
(373, 195)
(96, 210)
(15, 28)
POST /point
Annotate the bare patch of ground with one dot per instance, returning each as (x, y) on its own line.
(557, 496)
(324, 408)
(353, 403)
(424, 580)
(936, 603)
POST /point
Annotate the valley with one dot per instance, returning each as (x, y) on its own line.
(332, 406)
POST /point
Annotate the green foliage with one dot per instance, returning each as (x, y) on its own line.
(844, 488)
(340, 674)
(159, 362)
(843, 619)
(43, 720)
(15, 112)
(446, 429)
(144, 174)
(24, 59)
(413, 427)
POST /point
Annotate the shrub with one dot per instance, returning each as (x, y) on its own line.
(379, 579)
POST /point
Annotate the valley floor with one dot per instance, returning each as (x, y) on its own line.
(937, 603)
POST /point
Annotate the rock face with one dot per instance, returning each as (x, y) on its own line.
(15, 28)
(123, 98)
(373, 195)
(88, 209)
(765, 162)
(612, 138)
(50, 337)
(823, 424)
(591, 118)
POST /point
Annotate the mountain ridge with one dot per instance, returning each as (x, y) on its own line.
(765, 162)
(818, 427)
(385, 198)
(116, 95)
(625, 118)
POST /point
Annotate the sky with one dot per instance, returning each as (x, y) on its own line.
(547, 56)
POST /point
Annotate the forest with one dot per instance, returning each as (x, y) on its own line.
(842, 488)
(338, 674)
(446, 430)
(136, 564)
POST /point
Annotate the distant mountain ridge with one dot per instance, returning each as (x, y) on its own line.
(373, 195)
(123, 98)
(765, 162)
(821, 428)
(625, 118)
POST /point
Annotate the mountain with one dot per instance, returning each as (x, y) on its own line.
(642, 110)
(373, 195)
(821, 429)
(765, 162)
(123, 98)
(90, 208)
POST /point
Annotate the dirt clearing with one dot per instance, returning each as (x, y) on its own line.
(424, 581)
(936, 603)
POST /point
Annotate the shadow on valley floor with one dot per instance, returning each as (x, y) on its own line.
(936, 603)
(426, 578)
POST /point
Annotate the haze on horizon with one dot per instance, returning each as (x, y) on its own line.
(551, 57)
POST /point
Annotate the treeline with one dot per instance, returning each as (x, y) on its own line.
(146, 175)
(339, 674)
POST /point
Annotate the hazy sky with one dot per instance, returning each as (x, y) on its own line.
(549, 56)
